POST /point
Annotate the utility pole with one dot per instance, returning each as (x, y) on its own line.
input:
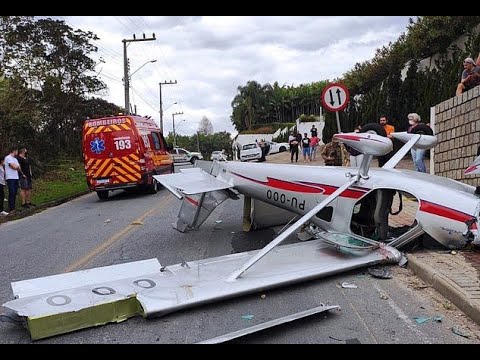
(173, 121)
(126, 79)
(161, 104)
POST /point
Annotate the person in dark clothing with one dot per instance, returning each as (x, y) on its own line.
(313, 131)
(306, 148)
(25, 173)
(294, 142)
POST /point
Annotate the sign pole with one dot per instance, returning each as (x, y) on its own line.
(338, 122)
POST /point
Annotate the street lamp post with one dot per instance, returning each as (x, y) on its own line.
(127, 85)
(173, 122)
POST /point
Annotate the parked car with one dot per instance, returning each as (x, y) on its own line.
(251, 152)
(278, 147)
(182, 155)
(218, 155)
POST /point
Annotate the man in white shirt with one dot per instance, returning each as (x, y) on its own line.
(2, 186)
(11, 176)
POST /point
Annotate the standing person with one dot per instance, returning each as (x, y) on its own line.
(470, 75)
(313, 131)
(313, 147)
(388, 129)
(292, 140)
(306, 148)
(25, 178)
(418, 155)
(12, 168)
(2, 186)
(332, 153)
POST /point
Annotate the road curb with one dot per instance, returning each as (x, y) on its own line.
(33, 210)
(444, 286)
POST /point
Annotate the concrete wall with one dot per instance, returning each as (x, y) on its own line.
(457, 126)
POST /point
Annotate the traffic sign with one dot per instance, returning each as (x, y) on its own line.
(335, 97)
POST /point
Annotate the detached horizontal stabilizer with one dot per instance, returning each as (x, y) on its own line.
(194, 181)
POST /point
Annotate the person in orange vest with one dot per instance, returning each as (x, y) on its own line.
(388, 129)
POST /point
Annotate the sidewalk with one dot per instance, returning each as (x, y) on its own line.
(454, 274)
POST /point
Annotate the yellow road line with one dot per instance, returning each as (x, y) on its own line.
(114, 238)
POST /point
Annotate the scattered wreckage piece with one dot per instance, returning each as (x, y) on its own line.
(67, 302)
(269, 324)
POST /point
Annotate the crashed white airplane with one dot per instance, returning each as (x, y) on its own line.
(349, 201)
(349, 207)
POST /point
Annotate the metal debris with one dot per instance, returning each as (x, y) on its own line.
(380, 272)
(421, 319)
(268, 324)
(461, 332)
(347, 285)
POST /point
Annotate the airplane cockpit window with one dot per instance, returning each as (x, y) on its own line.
(383, 214)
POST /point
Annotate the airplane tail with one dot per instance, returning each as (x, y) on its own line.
(200, 193)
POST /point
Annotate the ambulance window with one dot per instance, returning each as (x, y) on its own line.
(181, 151)
(156, 141)
(164, 142)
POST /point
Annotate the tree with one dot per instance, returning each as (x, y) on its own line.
(48, 74)
(205, 127)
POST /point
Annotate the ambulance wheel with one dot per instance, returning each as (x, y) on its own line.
(193, 159)
(153, 188)
(103, 194)
(374, 128)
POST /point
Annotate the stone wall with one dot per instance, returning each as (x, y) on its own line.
(457, 126)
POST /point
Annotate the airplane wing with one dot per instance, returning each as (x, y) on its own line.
(191, 181)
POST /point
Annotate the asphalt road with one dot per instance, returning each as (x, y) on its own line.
(86, 233)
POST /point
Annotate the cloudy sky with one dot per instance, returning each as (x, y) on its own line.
(211, 56)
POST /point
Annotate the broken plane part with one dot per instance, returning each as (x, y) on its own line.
(52, 306)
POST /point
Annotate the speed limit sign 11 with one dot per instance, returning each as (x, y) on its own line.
(335, 97)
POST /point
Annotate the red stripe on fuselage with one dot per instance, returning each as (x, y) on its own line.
(446, 212)
(349, 193)
(285, 185)
(304, 187)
